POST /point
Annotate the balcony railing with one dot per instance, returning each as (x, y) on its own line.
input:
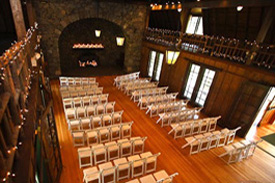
(244, 52)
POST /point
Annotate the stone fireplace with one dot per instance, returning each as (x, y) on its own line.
(86, 57)
(56, 16)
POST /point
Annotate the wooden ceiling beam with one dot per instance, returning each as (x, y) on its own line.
(228, 3)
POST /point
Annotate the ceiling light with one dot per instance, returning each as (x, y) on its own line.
(239, 8)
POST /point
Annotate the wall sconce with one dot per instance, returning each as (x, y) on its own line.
(120, 41)
(172, 56)
(97, 33)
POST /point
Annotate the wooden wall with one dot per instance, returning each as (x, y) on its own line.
(226, 85)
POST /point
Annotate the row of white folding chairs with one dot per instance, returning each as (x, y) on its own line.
(102, 134)
(91, 110)
(158, 177)
(126, 77)
(101, 153)
(158, 108)
(210, 140)
(126, 83)
(82, 93)
(112, 172)
(137, 94)
(86, 123)
(129, 83)
(144, 101)
(80, 87)
(178, 116)
(192, 127)
(66, 81)
(239, 151)
(85, 101)
(128, 90)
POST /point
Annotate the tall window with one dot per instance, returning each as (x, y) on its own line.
(206, 83)
(195, 25)
(198, 84)
(155, 65)
(192, 78)
(151, 63)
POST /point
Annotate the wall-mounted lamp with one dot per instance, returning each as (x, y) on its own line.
(97, 33)
(120, 41)
(172, 56)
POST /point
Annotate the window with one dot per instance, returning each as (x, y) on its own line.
(155, 65)
(195, 25)
(151, 63)
(198, 84)
(206, 83)
(158, 67)
(194, 72)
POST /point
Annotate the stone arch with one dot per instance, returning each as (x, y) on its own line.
(55, 16)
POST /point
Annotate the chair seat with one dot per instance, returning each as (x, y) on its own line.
(107, 118)
(116, 115)
(106, 166)
(96, 118)
(115, 129)
(133, 181)
(126, 127)
(91, 134)
(146, 154)
(229, 148)
(161, 175)
(147, 179)
(225, 130)
(121, 161)
(78, 134)
(83, 154)
(103, 131)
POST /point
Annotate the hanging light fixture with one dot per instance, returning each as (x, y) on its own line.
(97, 33)
(120, 41)
(172, 56)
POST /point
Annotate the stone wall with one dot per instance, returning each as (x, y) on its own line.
(53, 16)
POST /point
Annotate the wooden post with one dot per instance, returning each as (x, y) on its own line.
(18, 19)
(184, 17)
(3, 169)
(3, 146)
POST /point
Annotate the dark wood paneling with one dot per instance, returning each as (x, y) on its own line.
(226, 85)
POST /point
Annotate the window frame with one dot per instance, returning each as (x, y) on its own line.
(198, 83)
(156, 62)
(198, 22)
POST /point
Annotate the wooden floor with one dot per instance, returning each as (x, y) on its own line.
(204, 167)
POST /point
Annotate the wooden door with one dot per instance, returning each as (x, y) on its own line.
(246, 106)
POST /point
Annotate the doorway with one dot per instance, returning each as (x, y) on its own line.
(263, 117)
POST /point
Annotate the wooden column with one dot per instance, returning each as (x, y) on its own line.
(3, 169)
(184, 17)
(7, 131)
(31, 13)
(18, 19)
(3, 146)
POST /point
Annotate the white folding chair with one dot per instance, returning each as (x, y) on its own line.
(85, 157)
(123, 168)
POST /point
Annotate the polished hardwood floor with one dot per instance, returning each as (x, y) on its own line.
(204, 167)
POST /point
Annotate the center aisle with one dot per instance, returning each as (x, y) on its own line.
(203, 167)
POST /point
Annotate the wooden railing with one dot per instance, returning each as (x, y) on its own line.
(243, 52)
